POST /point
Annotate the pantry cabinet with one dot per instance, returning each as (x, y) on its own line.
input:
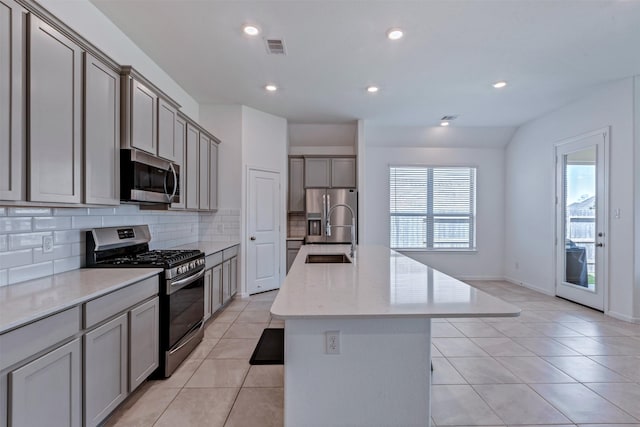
(55, 115)
(102, 132)
(12, 84)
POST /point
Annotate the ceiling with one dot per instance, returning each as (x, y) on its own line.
(550, 51)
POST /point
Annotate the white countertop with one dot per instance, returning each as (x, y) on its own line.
(209, 247)
(32, 300)
(379, 283)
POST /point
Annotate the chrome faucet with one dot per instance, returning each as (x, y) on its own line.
(352, 226)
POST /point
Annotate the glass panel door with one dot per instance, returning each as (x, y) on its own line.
(580, 220)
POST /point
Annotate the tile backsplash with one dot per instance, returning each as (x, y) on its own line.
(22, 231)
(296, 225)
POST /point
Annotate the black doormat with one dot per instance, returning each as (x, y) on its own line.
(270, 348)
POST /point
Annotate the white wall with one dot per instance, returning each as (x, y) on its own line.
(529, 193)
(225, 122)
(93, 25)
(486, 263)
(264, 146)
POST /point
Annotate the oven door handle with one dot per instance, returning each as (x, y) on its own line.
(185, 340)
(175, 286)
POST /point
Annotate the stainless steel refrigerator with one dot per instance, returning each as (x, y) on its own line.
(321, 201)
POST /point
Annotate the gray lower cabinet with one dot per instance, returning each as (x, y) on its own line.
(12, 64)
(233, 276)
(105, 369)
(102, 133)
(226, 281)
(144, 323)
(47, 391)
(207, 295)
(55, 115)
(216, 288)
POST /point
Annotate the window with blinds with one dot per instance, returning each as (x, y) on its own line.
(432, 207)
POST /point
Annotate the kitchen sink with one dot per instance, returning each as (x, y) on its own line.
(327, 259)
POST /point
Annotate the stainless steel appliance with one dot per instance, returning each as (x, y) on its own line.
(148, 179)
(322, 201)
(181, 287)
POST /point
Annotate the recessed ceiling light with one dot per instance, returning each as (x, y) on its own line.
(271, 88)
(444, 123)
(395, 34)
(251, 30)
(499, 84)
(373, 89)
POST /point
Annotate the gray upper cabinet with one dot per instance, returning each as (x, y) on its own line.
(143, 342)
(46, 391)
(12, 94)
(317, 172)
(55, 115)
(213, 176)
(144, 109)
(205, 148)
(343, 172)
(168, 148)
(192, 168)
(105, 369)
(102, 133)
(180, 143)
(296, 184)
(330, 172)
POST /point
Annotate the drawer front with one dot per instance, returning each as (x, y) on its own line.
(99, 309)
(230, 253)
(213, 260)
(28, 340)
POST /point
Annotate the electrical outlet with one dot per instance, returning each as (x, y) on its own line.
(47, 244)
(332, 339)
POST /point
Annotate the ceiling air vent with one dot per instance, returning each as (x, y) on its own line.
(448, 118)
(275, 46)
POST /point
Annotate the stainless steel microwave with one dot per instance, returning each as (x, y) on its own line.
(148, 179)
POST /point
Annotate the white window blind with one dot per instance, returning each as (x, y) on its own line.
(432, 207)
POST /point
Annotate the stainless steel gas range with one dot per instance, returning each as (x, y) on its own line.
(181, 286)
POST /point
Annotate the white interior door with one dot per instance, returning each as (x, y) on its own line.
(581, 206)
(263, 231)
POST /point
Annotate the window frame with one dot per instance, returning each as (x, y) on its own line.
(474, 217)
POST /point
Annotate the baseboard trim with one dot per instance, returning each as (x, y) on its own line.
(529, 285)
(624, 317)
(480, 278)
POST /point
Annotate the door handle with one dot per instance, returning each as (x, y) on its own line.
(599, 245)
(253, 238)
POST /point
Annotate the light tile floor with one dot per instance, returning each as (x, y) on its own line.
(557, 364)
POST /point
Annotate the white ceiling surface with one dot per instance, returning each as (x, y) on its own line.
(550, 52)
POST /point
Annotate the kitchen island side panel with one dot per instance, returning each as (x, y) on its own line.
(380, 378)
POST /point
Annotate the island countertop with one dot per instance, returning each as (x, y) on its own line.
(379, 282)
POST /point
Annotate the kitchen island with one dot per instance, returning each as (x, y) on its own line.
(358, 336)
